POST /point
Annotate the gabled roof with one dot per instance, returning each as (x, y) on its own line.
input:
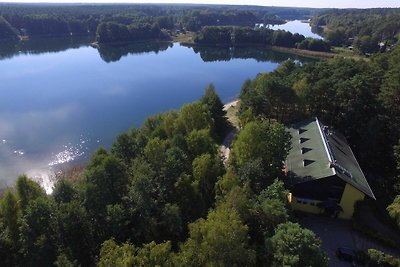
(318, 152)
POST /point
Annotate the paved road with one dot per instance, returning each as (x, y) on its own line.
(336, 233)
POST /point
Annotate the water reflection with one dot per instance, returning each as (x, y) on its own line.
(9, 49)
(210, 54)
(317, 30)
(57, 108)
(113, 53)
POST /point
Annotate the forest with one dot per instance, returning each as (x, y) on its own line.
(233, 36)
(363, 29)
(162, 195)
(63, 20)
(359, 98)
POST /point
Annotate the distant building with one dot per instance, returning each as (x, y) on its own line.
(322, 173)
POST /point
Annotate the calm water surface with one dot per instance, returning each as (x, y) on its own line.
(297, 26)
(62, 99)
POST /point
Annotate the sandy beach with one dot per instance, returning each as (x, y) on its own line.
(231, 104)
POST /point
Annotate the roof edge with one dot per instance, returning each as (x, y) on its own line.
(359, 167)
(325, 142)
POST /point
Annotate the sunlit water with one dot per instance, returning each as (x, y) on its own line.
(297, 26)
(57, 107)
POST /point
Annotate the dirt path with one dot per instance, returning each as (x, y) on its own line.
(226, 144)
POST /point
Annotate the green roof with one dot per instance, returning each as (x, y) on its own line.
(318, 152)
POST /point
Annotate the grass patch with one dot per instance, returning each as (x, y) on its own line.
(231, 114)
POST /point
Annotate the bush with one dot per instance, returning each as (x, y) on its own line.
(379, 259)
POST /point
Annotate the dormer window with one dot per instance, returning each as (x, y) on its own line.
(303, 139)
(301, 130)
(307, 162)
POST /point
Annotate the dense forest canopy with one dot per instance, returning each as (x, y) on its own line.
(232, 36)
(61, 20)
(162, 196)
(359, 98)
(364, 29)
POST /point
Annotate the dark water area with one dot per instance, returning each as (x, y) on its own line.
(61, 99)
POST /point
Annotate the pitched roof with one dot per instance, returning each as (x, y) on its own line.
(318, 152)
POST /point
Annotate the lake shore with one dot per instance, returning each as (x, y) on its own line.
(233, 103)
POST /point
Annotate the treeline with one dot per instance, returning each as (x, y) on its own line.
(6, 30)
(115, 53)
(363, 29)
(209, 54)
(112, 32)
(232, 36)
(10, 48)
(162, 197)
(360, 99)
(61, 20)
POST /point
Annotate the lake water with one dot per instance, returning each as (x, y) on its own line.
(297, 26)
(61, 99)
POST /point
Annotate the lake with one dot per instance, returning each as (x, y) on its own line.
(61, 98)
(297, 26)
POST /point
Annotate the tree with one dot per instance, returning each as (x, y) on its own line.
(27, 190)
(150, 213)
(64, 191)
(6, 30)
(265, 143)
(276, 190)
(271, 207)
(9, 214)
(218, 114)
(200, 142)
(194, 116)
(226, 183)
(271, 96)
(366, 44)
(151, 254)
(113, 255)
(294, 246)
(38, 237)
(396, 182)
(155, 152)
(128, 145)
(221, 240)
(206, 171)
(282, 38)
(106, 181)
(394, 210)
(336, 37)
(75, 233)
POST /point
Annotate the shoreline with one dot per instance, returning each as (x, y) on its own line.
(231, 104)
(290, 50)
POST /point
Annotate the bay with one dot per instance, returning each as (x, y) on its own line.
(61, 99)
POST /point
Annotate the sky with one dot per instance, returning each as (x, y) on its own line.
(292, 3)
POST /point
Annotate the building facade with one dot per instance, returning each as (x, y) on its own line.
(322, 172)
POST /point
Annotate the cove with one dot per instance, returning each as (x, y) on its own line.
(61, 99)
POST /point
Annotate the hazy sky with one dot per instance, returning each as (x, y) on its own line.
(294, 3)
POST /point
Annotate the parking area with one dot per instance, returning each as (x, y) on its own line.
(336, 233)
